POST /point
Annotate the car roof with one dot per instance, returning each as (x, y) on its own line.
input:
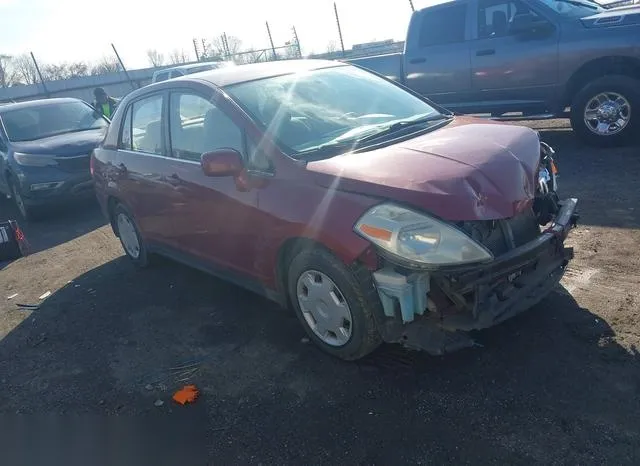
(227, 76)
(36, 103)
(189, 66)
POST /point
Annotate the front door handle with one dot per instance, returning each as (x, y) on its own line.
(485, 52)
(415, 61)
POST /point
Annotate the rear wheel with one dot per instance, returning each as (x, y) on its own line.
(605, 111)
(130, 237)
(331, 304)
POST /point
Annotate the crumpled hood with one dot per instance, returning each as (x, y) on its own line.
(70, 144)
(469, 170)
(621, 16)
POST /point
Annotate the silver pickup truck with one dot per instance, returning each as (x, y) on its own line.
(534, 58)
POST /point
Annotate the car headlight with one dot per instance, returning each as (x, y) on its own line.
(34, 160)
(419, 238)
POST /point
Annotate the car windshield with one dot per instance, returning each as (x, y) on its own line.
(332, 106)
(38, 122)
(574, 8)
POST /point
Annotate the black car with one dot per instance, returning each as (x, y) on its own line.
(45, 148)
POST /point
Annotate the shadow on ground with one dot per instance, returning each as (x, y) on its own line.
(56, 225)
(550, 386)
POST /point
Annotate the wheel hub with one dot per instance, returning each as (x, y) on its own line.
(128, 236)
(607, 113)
(324, 308)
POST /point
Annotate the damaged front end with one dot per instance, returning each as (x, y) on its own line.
(490, 271)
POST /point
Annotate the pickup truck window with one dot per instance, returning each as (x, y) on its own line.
(495, 16)
(443, 26)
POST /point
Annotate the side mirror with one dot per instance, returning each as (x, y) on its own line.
(222, 162)
(528, 24)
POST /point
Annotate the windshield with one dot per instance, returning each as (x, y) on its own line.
(574, 8)
(304, 111)
(32, 123)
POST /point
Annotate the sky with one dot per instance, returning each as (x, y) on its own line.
(82, 30)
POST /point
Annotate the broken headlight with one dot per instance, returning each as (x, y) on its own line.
(418, 238)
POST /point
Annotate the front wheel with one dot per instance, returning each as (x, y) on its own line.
(333, 304)
(605, 111)
(28, 213)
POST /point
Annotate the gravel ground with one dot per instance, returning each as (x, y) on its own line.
(557, 385)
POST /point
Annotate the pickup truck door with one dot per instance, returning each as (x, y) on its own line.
(436, 62)
(513, 71)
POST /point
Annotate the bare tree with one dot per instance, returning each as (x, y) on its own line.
(24, 69)
(178, 56)
(292, 50)
(252, 56)
(155, 58)
(65, 71)
(5, 70)
(104, 66)
(217, 46)
(332, 46)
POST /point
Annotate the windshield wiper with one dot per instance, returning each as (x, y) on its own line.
(346, 145)
(400, 125)
(577, 3)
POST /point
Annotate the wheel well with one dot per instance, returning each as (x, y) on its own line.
(112, 202)
(287, 252)
(626, 66)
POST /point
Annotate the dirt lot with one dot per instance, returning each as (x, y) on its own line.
(558, 385)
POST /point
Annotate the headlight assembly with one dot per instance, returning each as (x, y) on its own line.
(33, 160)
(418, 238)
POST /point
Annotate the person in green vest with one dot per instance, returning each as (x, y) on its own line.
(104, 103)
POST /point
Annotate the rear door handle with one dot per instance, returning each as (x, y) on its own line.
(415, 61)
(484, 53)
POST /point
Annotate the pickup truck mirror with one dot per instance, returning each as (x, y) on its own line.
(529, 24)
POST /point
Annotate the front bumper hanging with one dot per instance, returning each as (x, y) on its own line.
(438, 308)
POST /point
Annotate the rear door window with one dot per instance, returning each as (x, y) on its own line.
(443, 26)
(142, 126)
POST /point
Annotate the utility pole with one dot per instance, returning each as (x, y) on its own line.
(195, 48)
(126, 73)
(412, 7)
(44, 86)
(295, 36)
(273, 48)
(225, 45)
(335, 8)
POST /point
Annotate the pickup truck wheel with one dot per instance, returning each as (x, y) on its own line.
(605, 112)
(130, 237)
(331, 305)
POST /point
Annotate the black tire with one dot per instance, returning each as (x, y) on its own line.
(364, 333)
(142, 260)
(627, 87)
(27, 213)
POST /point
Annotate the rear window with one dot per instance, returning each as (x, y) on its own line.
(443, 26)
